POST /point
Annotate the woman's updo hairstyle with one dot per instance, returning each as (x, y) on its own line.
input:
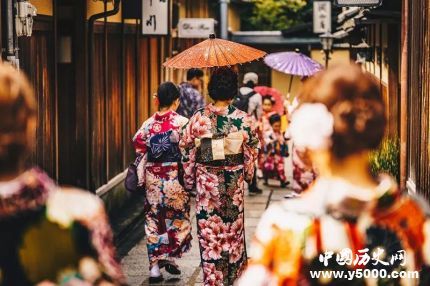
(17, 110)
(223, 84)
(353, 98)
(167, 93)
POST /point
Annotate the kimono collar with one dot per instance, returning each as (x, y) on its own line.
(220, 110)
(27, 192)
(163, 117)
(186, 84)
(344, 200)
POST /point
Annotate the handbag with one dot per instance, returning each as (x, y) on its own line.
(131, 181)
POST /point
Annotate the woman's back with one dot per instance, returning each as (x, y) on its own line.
(336, 226)
(159, 137)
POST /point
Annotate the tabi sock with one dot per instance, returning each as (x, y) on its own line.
(155, 271)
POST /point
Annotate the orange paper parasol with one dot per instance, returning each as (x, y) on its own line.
(214, 53)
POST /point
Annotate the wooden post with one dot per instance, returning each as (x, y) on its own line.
(404, 95)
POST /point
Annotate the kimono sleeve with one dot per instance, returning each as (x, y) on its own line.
(140, 145)
(259, 271)
(188, 152)
(275, 251)
(140, 139)
(102, 239)
(251, 147)
(89, 211)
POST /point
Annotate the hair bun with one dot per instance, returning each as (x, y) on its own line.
(353, 98)
(343, 116)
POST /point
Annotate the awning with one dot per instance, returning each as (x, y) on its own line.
(271, 38)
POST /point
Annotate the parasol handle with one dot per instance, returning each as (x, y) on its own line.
(291, 83)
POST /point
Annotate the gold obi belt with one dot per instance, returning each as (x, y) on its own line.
(220, 149)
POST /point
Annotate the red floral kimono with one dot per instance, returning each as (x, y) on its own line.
(167, 224)
(220, 147)
(273, 156)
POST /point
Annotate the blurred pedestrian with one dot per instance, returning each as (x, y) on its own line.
(191, 99)
(348, 220)
(268, 103)
(220, 146)
(275, 149)
(250, 101)
(167, 219)
(48, 235)
(264, 128)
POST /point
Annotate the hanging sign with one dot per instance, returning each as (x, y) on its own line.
(196, 27)
(322, 17)
(155, 17)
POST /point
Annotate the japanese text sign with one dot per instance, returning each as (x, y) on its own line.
(322, 17)
(155, 17)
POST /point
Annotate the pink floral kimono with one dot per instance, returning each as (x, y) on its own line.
(219, 148)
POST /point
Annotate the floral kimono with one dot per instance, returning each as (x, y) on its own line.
(219, 147)
(275, 149)
(336, 226)
(264, 129)
(54, 236)
(167, 219)
(303, 175)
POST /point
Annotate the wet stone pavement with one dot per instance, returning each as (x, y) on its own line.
(135, 263)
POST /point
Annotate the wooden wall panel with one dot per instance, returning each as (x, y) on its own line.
(154, 63)
(144, 96)
(127, 71)
(114, 108)
(393, 52)
(37, 64)
(99, 160)
(418, 98)
(131, 87)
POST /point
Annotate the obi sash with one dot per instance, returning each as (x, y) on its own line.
(220, 149)
(163, 147)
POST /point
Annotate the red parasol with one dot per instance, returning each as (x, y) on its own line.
(214, 53)
(275, 94)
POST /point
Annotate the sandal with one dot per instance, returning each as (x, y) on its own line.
(155, 280)
(170, 267)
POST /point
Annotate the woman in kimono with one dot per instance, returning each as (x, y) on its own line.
(48, 235)
(349, 221)
(220, 147)
(275, 149)
(167, 223)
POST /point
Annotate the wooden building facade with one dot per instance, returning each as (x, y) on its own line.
(417, 36)
(375, 44)
(398, 35)
(86, 123)
(72, 147)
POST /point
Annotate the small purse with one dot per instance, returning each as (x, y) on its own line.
(131, 181)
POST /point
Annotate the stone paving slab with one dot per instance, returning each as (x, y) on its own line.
(135, 263)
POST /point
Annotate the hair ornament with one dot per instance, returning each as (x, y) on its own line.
(312, 126)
